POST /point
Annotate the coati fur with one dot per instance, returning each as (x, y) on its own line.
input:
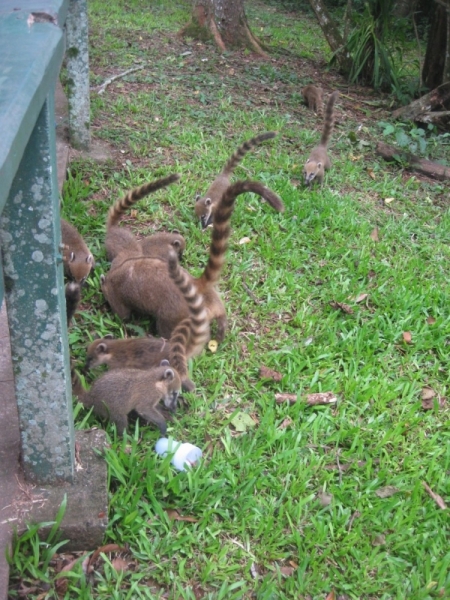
(187, 339)
(313, 97)
(116, 393)
(73, 296)
(158, 244)
(78, 260)
(119, 239)
(319, 161)
(142, 285)
(206, 205)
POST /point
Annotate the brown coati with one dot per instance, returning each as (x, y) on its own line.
(73, 296)
(205, 206)
(313, 97)
(116, 393)
(318, 161)
(121, 238)
(77, 259)
(142, 285)
(187, 339)
(158, 244)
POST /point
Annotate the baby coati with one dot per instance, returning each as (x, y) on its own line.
(187, 339)
(313, 97)
(78, 260)
(116, 393)
(143, 285)
(318, 161)
(118, 238)
(205, 206)
(73, 296)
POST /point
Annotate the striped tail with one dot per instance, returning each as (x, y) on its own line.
(221, 224)
(236, 158)
(133, 196)
(329, 120)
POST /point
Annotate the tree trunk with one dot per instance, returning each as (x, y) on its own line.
(438, 99)
(332, 34)
(434, 63)
(223, 21)
(426, 167)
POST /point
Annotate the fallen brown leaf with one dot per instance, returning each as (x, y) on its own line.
(291, 398)
(105, 550)
(266, 373)
(324, 498)
(286, 423)
(287, 571)
(172, 513)
(321, 398)
(371, 173)
(331, 596)
(341, 306)
(431, 320)
(407, 337)
(374, 235)
(387, 491)
(360, 298)
(438, 499)
(428, 393)
(379, 540)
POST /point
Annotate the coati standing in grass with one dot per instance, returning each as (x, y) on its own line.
(318, 161)
(143, 285)
(121, 238)
(313, 97)
(78, 260)
(205, 206)
(116, 393)
(187, 339)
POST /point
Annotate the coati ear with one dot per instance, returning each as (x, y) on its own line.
(164, 363)
(197, 197)
(102, 348)
(176, 230)
(176, 243)
(72, 257)
(207, 201)
(169, 375)
(319, 164)
(102, 279)
(108, 336)
(89, 259)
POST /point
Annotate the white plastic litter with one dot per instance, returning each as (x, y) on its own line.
(185, 454)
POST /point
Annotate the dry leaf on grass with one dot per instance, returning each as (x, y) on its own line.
(331, 596)
(281, 398)
(311, 399)
(287, 571)
(371, 173)
(428, 393)
(324, 498)
(379, 540)
(438, 499)
(407, 337)
(286, 423)
(387, 491)
(321, 398)
(374, 235)
(430, 403)
(244, 240)
(172, 513)
(360, 298)
(266, 373)
(431, 320)
(212, 346)
(105, 550)
(341, 306)
(388, 200)
(119, 564)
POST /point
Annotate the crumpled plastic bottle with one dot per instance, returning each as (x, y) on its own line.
(185, 454)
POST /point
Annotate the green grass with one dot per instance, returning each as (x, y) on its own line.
(259, 527)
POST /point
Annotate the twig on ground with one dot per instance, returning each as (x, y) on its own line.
(249, 291)
(105, 84)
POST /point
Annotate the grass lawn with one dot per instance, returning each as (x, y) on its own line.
(345, 292)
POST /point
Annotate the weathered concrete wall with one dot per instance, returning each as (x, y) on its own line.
(30, 237)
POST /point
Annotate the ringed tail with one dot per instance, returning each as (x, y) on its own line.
(329, 120)
(236, 158)
(122, 205)
(221, 224)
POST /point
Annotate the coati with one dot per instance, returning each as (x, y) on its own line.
(318, 161)
(116, 393)
(187, 339)
(313, 97)
(121, 238)
(142, 284)
(205, 206)
(78, 260)
(73, 296)
(158, 244)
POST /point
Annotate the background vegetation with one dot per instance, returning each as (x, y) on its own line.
(305, 502)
